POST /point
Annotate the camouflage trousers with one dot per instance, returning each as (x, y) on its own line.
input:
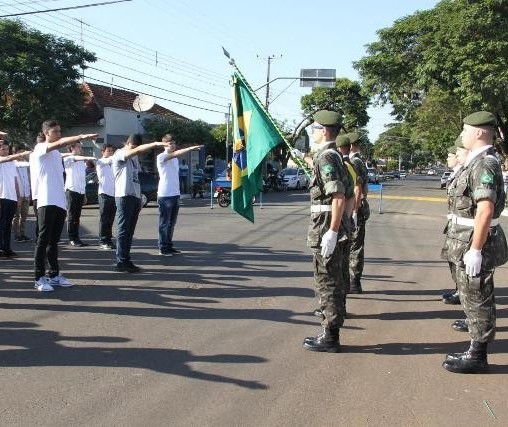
(477, 298)
(453, 272)
(330, 286)
(356, 256)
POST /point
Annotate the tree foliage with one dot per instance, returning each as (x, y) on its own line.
(186, 132)
(38, 77)
(459, 48)
(347, 97)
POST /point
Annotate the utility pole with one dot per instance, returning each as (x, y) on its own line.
(269, 60)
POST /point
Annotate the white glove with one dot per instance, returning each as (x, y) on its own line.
(354, 217)
(473, 262)
(295, 152)
(328, 243)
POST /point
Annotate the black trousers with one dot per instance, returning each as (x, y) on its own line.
(7, 212)
(107, 212)
(74, 205)
(51, 220)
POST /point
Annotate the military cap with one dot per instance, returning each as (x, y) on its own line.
(481, 118)
(353, 137)
(452, 150)
(342, 140)
(327, 118)
(458, 142)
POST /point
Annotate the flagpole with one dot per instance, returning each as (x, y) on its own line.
(297, 160)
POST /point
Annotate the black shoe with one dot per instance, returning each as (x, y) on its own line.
(326, 341)
(18, 238)
(318, 313)
(473, 361)
(25, 239)
(107, 246)
(452, 298)
(127, 267)
(460, 326)
(174, 251)
(355, 287)
(78, 243)
(10, 254)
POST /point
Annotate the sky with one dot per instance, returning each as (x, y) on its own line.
(172, 49)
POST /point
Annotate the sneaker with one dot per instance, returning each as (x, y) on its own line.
(18, 238)
(78, 243)
(165, 253)
(107, 246)
(10, 254)
(60, 281)
(175, 251)
(127, 267)
(42, 285)
(25, 239)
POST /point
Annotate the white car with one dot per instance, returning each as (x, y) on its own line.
(295, 179)
(445, 178)
(431, 172)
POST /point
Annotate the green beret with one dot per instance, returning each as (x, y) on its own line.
(342, 140)
(452, 150)
(353, 137)
(327, 118)
(458, 142)
(481, 118)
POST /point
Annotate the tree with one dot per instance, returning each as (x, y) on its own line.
(186, 132)
(347, 97)
(459, 47)
(38, 78)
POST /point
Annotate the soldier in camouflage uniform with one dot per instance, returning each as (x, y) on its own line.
(361, 214)
(327, 235)
(477, 244)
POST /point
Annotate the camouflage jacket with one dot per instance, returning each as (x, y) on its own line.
(481, 179)
(363, 179)
(329, 176)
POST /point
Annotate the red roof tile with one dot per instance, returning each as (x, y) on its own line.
(97, 97)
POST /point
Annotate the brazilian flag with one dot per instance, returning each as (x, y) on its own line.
(255, 135)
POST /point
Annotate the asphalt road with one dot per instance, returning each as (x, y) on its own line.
(213, 337)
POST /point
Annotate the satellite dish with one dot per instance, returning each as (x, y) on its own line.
(143, 103)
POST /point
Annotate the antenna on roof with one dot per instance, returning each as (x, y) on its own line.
(143, 102)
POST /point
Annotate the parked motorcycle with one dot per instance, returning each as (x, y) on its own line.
(274, 181)
(223, 195)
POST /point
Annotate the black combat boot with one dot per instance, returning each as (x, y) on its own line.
(328, 341)
(460, 326)
(355, 286)
(473, 361)
(318, 313)
(451, 298)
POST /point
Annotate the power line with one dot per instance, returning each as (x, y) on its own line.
(64, 8)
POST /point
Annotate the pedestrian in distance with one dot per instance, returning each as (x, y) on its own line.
(128, 197)
(327, 234)
(168, 193)
(75, 191)
(477, 241)
(106, 195)
(9, 195)
(183, 176)
(23, 177)
(51, 204)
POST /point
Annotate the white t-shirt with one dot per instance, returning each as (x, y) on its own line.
(106, 176)
(50, 186)
(169, 184)
(8, 181)
(23, 178)
(34, 174)
(74, 174)
(126, 175)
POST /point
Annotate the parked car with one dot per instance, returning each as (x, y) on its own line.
(445, 178)
(431, 172)
(147, 180)
(373, 176)
(295, 179)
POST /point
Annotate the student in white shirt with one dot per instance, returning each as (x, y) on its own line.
(19, 221)
(168, 193)
(107, 206)
(75, 184)
(51, 206)
(128, 197)
(9, 191)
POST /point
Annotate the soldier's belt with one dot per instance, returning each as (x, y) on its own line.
(469, 222)
(320, 208)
